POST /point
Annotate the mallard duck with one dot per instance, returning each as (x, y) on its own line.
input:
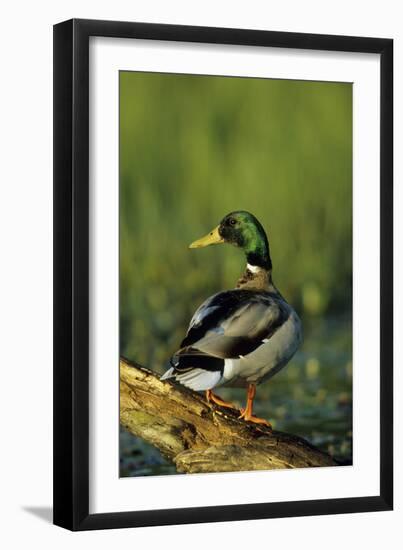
(238, 337)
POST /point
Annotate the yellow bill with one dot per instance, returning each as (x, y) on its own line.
(211, 238)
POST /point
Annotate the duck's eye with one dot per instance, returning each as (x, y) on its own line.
(231, 221)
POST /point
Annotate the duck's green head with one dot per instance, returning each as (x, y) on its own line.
(241, 229)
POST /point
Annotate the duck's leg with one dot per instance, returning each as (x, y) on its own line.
(210, 396)
(246, 413)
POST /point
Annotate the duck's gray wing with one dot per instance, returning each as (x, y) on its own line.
(235, 323)
(228, 325)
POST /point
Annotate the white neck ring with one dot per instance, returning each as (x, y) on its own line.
(253, 268)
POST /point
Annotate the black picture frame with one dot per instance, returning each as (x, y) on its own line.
(71, 273)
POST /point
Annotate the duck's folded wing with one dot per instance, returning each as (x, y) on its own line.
(236, 327)
(229, 325)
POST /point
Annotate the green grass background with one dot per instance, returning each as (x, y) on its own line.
(192, 149)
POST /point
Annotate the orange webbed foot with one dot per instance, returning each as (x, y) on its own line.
(211, 397)
(250, 418)
(246, 413)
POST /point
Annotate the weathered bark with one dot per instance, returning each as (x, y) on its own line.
(199, 437)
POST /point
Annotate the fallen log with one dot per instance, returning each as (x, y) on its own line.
(201, 437)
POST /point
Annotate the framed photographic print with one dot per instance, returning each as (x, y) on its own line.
(199, 383)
